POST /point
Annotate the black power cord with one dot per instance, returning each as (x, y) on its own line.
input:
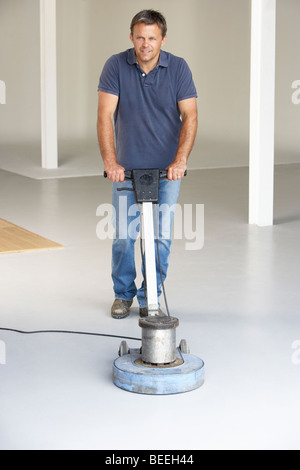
(13, 330)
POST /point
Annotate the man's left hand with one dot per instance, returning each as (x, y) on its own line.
(176, 171)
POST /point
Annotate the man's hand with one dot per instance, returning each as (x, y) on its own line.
(115, 173)
(176, 171)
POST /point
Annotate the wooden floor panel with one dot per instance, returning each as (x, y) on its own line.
(14, 239)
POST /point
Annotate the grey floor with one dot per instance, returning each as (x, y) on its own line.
(237, 300)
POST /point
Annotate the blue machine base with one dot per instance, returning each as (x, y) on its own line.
(136, 377)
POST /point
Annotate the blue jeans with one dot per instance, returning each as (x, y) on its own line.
(126, 223)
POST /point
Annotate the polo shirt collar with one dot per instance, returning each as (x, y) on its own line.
(163, 58)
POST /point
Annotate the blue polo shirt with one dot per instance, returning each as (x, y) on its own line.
(147, 118)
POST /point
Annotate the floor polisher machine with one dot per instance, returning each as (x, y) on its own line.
(158, 367)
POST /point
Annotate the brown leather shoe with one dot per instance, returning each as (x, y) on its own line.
(120, 308)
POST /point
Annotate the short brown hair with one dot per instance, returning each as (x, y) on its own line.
(150, 17)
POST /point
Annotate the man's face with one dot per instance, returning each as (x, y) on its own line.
(147, 40)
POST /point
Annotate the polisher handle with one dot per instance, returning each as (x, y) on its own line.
(163, 174)
(128, 174)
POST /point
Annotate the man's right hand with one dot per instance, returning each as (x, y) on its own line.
(115, 173)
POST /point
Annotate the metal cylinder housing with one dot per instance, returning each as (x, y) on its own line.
(158, 339)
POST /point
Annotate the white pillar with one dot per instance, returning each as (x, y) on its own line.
(262, 112)
(48, 84)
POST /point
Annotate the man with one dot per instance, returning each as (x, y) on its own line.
(147, 118)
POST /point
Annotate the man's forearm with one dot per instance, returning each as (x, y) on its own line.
(105, 130)
(107, 104)
(106, 141)
(186, 139)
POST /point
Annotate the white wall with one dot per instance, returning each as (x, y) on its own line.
(213, 36)
(20, 70)
(287, 121)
